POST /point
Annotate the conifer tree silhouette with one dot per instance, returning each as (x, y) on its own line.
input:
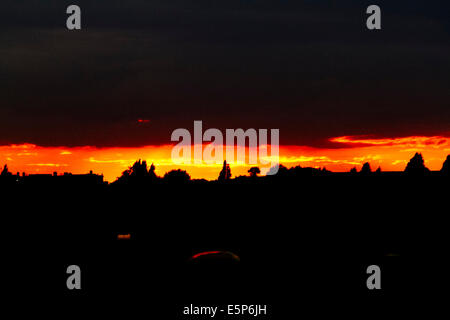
(225, 174)
(151, 172)
(416, 166)
(365, 170)
(5, 171)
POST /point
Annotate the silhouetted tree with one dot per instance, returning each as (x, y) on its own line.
(416, 166)
(446, 166)
(365, 170)
(5, 171)
(325, 170)
(151, 172)
(278, 170)
(254, 171)
(138, 172)
(177, 176)
(353, 170)
(378, 170)
(296, 171)
(282, 170)
(139, 169)
(225, 174)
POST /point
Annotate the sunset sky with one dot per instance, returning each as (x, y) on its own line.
(389, 154)
(109, 94)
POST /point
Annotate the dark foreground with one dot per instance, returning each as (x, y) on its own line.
(303, 244)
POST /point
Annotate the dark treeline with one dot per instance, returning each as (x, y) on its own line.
(141, 173)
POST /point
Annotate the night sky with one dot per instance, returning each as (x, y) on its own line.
(310, 68)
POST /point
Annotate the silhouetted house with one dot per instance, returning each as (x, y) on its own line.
(81, 179)
(69, 179)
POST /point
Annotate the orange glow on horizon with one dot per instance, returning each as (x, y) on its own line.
(391, 154)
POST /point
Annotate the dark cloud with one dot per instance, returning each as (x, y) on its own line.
(309, 68)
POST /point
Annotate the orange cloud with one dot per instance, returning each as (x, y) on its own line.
(410, 142)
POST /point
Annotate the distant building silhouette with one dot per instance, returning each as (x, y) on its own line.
(65, 179)
(51, 179)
